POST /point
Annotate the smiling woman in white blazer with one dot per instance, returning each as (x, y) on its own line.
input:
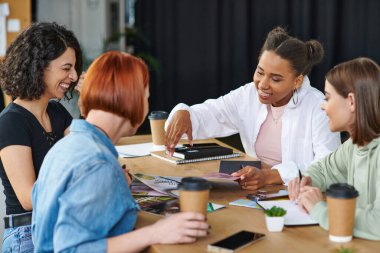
(285, 144)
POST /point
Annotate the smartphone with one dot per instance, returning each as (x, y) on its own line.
(235, 242)
(268, 196)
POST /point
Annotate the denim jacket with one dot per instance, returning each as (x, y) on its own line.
(81, 196)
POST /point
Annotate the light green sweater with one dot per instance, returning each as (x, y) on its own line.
(357, 166)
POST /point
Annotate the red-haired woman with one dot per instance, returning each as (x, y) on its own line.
(82, 201)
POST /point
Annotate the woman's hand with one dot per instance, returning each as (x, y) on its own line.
(309, 197)
(179, 125)
(295, 187)
(180, 228)
(251, 178)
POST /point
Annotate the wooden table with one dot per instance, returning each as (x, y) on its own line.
(232, 219)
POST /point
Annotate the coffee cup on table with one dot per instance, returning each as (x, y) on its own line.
(157, 121)
(194, 194)
(341, 203)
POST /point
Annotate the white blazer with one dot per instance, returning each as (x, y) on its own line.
(305, 135)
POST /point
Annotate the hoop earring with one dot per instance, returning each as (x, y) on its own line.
(295, 96)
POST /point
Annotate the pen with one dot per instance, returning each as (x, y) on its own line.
(300, 174)
(257, 202)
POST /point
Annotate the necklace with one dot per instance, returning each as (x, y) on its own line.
(279, 111)
(51, 137)
(275, 120)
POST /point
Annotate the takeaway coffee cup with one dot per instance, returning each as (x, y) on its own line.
(157, 126)
(341, 202)
(193, 194)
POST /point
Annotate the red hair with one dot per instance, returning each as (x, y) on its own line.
(116, 83)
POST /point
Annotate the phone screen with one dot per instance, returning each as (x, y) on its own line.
(237, 240)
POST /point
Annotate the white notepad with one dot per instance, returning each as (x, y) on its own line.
(294, 216)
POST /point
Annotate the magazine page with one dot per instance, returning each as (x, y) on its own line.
(217, 176)
(166, 185)
(153, 204)
(140, 189)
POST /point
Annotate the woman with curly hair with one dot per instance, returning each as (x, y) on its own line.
(84, 204)
(41, 64)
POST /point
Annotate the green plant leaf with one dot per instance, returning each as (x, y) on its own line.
(344, 249)
(275, 211)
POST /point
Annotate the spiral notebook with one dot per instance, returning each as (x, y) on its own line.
(201, 150)
(162, 155)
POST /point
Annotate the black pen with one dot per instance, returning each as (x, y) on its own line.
(300, 174)
(257, 202)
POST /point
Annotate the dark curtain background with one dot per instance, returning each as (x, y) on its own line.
(205, 48)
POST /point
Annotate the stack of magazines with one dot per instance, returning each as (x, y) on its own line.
(153, 192)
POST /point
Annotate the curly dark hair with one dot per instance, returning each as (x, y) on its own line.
(22, 70)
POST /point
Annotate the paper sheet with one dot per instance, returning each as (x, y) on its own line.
(294, 215)
(134, 150)
(138, 150)
(245, 203)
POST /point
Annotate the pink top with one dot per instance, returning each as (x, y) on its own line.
(268, 143)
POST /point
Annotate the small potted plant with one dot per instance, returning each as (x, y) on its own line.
(274, 218)
(344, 249)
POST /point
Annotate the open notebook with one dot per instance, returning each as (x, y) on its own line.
(294, 216)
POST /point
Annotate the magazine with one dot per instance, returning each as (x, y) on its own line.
(161, 204)
(167, 185)
(153, 204)
(153, 192)
(140, 189)
(164, 185)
